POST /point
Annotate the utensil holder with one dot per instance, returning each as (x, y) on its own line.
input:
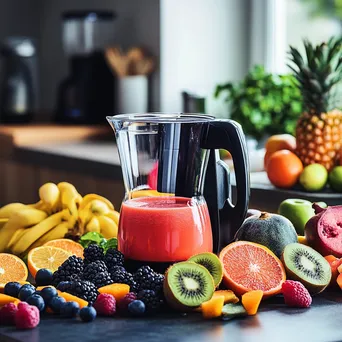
(132, 94)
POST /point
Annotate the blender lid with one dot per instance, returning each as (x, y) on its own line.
(88, 15)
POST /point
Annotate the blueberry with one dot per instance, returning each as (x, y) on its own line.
(48, 293)
(136, 308)
(37, 301)
(56, 303)
(43, 277)
(63, 285)
(88, 314)
(12, 289)
(69, 309)
(26, 291)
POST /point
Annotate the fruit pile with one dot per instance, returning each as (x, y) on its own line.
(316, 150)
(285, 169)
(267, 259)
(61, 211)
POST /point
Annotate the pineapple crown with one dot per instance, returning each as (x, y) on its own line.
(317, 72)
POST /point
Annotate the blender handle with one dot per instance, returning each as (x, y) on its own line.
(228, 135)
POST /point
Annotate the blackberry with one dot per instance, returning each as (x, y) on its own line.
(102, 279)
(152, 301)
(92, 269)
(83, 289)
(124, 277)
(69, 270)
(113, 258)
(115, 269)
(93, 253)
(147, 279)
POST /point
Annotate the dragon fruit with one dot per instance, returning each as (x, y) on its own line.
(323, 231)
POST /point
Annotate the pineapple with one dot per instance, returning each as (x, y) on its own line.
(319, 129)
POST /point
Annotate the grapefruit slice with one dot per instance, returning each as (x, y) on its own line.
(249, 266)
(68, 245)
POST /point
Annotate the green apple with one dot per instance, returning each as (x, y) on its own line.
(298, 211)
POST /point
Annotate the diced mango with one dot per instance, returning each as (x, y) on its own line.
(71, 298)
(213, 307)
(251, 301)
(302, 240)
(339, 280)
(117, 290)
(229, 296)
(5, 299)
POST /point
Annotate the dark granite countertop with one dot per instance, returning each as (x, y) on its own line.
(274, 322)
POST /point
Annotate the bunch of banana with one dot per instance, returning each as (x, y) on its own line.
(60, 211)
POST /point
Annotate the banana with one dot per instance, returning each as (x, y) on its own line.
(70, 198)
(28, 217)
(93, 225)
(7, 210)
(90, 197)
(114, 215)
(34, 233)
(49, 194)
(3, 221)
(15, 237)
(56, 233)
(109, 229)
(25, 218)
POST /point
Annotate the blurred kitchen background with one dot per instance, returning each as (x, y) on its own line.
(65, 63)
(196, 44)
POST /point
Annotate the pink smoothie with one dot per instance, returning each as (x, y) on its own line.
(164, 229)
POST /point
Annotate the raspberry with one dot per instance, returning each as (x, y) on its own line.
(123, 303)
(295, 294)
(27, 317)
(105, 304)
(7, 314)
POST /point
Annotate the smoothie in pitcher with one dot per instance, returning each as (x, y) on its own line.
(164, 229)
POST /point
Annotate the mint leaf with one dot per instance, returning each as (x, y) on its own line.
(91, 237)
(111, 243)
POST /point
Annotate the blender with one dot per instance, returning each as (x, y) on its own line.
(89, 88)
(177, 190)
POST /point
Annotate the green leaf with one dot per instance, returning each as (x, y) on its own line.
(111, 243)
(91, 237)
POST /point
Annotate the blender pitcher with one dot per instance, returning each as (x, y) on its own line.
(177, 190)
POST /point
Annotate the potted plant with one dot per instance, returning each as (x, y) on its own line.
(263, 103)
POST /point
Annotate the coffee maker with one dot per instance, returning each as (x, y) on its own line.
(87, 94)
(19, 83)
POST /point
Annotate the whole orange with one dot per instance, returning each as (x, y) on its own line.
(278, 142)
(284, 169)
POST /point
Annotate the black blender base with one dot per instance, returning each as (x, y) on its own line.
(160, 267)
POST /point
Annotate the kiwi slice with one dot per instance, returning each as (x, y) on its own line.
(306, 265)
(231, 310)
(212, 263)
(187, 285)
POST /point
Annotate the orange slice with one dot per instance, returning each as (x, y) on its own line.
(12, 268)
(249, 266)
(46, 257)
(68, 245)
